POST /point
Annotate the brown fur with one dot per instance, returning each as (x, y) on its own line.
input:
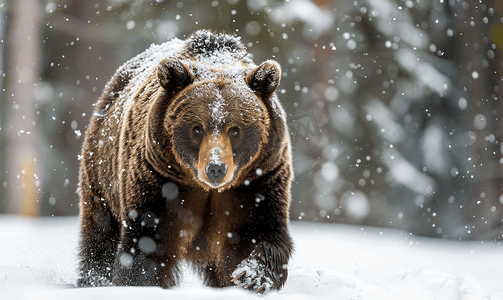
(147, 199)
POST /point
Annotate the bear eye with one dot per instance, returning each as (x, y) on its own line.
(197, 130)
(235, 131)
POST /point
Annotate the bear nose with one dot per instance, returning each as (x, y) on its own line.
(216, 172)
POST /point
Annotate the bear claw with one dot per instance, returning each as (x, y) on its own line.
(237, 277)
(260, 289)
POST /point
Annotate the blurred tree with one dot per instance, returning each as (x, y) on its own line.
(3, 109)
(409, 97)
(23, 177)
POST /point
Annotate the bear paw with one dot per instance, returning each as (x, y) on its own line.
(94, 278)
(253, 275)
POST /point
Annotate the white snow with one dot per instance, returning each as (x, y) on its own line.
(403, 172)
(462, 103)
(254, 275)
(218, 114)
(480, 121)
(385, 119)
(225, 61)
(38, 260)
(357, 205)
(433, 148)
(215, 158)
(139, 67)
(316, 19)
(426, 73)
(330, 171)
(395, 22)
(331, 93)
(169, 191)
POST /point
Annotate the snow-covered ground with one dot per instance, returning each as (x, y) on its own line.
(38, 261)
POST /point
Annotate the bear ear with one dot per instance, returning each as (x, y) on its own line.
(173, 75)
(265, 78)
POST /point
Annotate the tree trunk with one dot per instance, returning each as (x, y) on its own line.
(23, 195)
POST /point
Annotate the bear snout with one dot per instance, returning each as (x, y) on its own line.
(216, 172)
(215, 168)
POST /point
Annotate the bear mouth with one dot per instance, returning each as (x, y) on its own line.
(213, 184)
(210, 178)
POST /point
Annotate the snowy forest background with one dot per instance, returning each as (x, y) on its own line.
(394, 105)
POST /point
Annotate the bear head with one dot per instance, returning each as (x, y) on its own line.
(218, 119)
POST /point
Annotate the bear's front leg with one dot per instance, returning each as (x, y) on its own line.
(99, 240)
(265, 268)
(142, 256)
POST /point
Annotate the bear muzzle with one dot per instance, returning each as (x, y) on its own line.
(216, 171)
(215, 167)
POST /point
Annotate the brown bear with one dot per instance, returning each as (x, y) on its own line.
(187, 159)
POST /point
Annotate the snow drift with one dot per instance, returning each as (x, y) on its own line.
(38, 260)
